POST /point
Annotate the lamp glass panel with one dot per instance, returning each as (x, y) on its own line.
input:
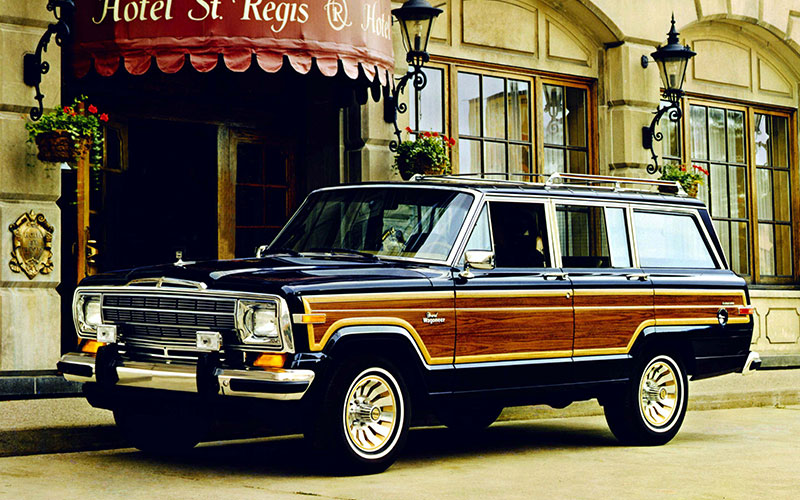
(672, 72)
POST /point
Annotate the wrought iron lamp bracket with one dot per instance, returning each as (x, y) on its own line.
(650, 135)
(393, 105)
(33, 66)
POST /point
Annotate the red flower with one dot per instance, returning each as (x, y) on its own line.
(452, 142)
(68, 110)
(698, 167)
(104, 117)
(683, 168)
(92, 108)
(436, 134)
(427, 134)
(408, 129)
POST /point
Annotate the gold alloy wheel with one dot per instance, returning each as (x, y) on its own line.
(659, 393)
(370, 413)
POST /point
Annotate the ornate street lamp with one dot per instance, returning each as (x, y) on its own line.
(416, 21)
(672, 60)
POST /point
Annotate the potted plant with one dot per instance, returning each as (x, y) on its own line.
(427, 154)
(65, 134)
(689, 176)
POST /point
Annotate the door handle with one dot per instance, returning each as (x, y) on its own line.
(555, 276)
(638, 276)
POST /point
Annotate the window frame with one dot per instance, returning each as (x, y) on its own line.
(750, 109)
(537, 79)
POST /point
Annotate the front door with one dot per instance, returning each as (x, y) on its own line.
(514, 322)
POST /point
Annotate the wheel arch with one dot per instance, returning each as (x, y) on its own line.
(676, 340)
(393, 343)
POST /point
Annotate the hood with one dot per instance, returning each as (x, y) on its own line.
(286, 275)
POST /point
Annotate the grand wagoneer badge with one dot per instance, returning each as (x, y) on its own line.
(432, 318)
(32, 245)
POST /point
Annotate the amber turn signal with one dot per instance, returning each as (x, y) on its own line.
(746, 310)
(90, 346)
(270, 361)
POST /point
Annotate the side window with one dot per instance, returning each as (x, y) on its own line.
(670, 240)
(593, 237)
(481, 239)
(519, 232)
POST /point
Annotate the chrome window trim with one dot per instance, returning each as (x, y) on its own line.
(285, 324)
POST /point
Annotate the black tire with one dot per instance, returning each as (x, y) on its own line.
(651, 408)
(164, 430)
(364, 418)
(469, 416)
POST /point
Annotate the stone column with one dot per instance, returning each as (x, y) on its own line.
(631, 97)
(30, 323)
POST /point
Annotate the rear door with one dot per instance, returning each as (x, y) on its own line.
(613, 299)
(514, 322)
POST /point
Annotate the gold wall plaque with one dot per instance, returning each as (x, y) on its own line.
(32, 251)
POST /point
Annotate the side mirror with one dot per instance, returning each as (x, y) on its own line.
(476, 259)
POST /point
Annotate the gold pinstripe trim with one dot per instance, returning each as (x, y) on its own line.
(379, 321)
(616, 291)
(512, 356)
(356, 297)
(503, 294)
(521, 309)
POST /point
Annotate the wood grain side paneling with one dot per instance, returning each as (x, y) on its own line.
(517, 325)
(610, 321)
(435, 340)
(701, 305)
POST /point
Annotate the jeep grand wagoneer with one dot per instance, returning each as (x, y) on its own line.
(448, 295)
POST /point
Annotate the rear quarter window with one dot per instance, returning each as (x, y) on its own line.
(670, 240)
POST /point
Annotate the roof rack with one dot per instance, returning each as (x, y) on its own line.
(668, 186)
(561, 180)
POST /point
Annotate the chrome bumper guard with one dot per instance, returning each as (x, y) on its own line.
(275, 383)
(752, 364)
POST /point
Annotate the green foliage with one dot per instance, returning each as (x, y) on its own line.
(80, 126)
(427, 154)
(690, 177)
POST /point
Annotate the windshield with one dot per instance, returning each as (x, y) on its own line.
(392, 222)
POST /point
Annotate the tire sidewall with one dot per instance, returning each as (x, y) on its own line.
(330, 433)
(667, 430)
(400, 413)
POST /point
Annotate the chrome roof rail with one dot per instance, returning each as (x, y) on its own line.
(589, 181)
(559, 180)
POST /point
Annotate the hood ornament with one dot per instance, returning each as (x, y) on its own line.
(179, 256)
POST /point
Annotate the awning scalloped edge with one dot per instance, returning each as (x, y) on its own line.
(137, 62)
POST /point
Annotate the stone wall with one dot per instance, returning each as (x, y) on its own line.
(30, 322)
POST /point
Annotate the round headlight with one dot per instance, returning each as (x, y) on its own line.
(91, 311)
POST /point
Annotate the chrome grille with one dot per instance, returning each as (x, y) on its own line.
(169, 319)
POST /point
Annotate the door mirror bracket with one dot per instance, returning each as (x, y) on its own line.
(476, 259)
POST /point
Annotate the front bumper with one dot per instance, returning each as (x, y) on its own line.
(274, 383)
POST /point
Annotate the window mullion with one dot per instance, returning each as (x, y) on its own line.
(752, 192)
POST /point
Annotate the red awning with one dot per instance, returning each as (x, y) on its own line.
(353, 32)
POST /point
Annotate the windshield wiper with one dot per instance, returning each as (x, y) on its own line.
(345, 251)
(275, 251)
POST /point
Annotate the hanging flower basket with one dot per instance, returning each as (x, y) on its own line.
(428, 154)
(67, 133)
(58, 146)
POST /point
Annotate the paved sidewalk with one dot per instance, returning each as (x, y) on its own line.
(70, 424)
